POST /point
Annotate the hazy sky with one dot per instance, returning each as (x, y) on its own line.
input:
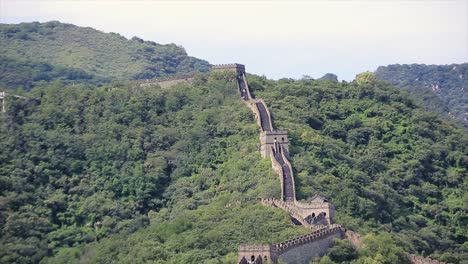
(277, 38)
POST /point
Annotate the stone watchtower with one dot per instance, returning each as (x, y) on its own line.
(268, 139)
(257, 254)
(235, 67)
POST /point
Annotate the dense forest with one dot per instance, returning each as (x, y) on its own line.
(439, 88)
(24, 74)
(124, 174)
(79, 52)
(96, 169)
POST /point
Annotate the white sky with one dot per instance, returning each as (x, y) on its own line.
(277, 38)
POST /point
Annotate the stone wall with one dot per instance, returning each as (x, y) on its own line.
(239, 68)
(264, 252)
(268, 139)
(315, 209)
(298, 250)
(274, 143)
(166, 83)
(289, 207)
(303, 254)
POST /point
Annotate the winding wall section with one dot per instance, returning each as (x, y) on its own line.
(274, 143)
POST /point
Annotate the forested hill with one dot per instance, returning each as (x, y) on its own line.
(43, 51)
(120, 174)
(440, 88)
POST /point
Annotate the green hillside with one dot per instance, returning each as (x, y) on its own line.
(439, 88)
(25, 74)
(103, 55)
(128, 175)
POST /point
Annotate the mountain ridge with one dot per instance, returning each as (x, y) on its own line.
(439, 88)
(106, 55)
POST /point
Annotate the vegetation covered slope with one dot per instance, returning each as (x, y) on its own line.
(385, 163)
(80, 165)
(104, 55)
(24, 74)
(128, 175)
(440, 88)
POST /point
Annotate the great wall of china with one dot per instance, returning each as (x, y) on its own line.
(316, 214)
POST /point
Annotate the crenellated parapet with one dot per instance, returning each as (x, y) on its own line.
(239, 68)
(318, 210)
(299, 249)
(308, 238)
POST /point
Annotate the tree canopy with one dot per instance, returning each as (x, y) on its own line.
(134, 174)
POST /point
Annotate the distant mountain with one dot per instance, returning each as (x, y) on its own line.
(329, 77)
(439, 88)
(88, 53)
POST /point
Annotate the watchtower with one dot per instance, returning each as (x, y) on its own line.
(2, 101)
(256, 254)
(268, 139)
(317, 210)
(235, 67)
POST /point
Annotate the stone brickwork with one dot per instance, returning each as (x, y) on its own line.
(268, 139)
(315, 208)
(310, 248)
(250, 253)
(239, 68)
(298, 250)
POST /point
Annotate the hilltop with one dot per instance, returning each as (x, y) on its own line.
(439, 88)
(44, 51)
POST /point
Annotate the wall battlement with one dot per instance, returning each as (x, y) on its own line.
(168, 81)
(298, 250)
(304, 239)
(240, 68)
(172, 80)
